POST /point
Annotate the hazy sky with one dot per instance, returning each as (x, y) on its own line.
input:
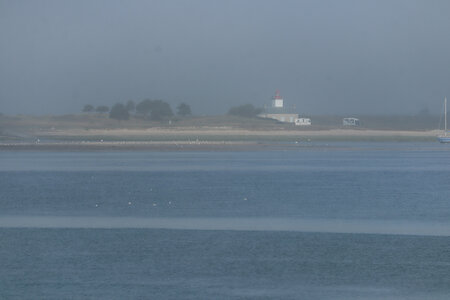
(345, 57)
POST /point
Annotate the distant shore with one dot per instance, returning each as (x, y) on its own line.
(131, 146)
(201, 139)
(92, 132)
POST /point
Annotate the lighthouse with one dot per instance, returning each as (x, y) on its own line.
(284, 115)
(277, 101)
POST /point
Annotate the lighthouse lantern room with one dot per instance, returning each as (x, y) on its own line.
(277, 101)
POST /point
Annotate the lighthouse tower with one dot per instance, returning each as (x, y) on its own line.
(277, 101)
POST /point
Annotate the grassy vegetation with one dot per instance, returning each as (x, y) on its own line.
(102, 121)
(382, 122)
(21, 127)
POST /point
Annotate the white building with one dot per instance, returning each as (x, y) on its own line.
(277, 101)
(350, 122)
(278, 112)
(303, 122)
(281, 117)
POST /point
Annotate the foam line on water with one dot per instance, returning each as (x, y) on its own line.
(239, 224)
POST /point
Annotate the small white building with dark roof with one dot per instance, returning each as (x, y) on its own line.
(279, 112)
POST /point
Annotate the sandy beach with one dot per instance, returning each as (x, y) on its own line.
(227, 131)
(199, 139)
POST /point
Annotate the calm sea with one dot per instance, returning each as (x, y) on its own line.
(321, 221)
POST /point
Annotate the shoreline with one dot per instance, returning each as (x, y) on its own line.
(227, 132)
(132, 146)
(211, 139)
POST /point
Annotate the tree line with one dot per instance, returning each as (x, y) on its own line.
(155, 110)
(246, 110)
(159, 110)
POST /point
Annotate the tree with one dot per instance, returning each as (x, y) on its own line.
(160, 110)
(88, 108)
(183, 110)
(119, 112)
(144, 107)
(102, 109)
(130, 106)
(157, 109)
(246, 110)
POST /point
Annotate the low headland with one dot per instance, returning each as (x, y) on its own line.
(209, 133)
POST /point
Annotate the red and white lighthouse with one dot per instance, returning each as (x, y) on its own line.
(277, 101)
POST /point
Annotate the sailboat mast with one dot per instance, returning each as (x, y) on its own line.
(444, 138)
(445, 116)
